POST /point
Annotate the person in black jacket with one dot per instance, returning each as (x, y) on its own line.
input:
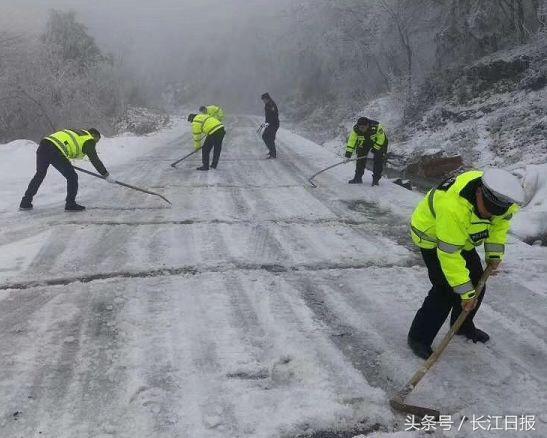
(57, 150)
(271, 124)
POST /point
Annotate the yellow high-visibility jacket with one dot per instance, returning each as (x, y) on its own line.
(356, 140)
(216, 112)
(70, 142)
(203, 125)
(375, 136)
(446, 219)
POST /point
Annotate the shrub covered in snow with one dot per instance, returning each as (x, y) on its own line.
(142, 121)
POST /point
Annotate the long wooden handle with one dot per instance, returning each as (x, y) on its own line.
(129, 186)
(446, 340)
(184, 158)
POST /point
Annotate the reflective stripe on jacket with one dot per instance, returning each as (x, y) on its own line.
(202, 125)
(356, 140)
(70, 142)
(375, 137)
(447, 221)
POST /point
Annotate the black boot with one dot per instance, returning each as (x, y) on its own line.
(25, 204)
(375, 182)
(419, 348)
(475, 334)
(74, 207)
(202, 168)
(356, 180)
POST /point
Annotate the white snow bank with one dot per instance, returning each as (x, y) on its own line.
(531, 222)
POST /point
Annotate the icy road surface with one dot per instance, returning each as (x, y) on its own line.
(256, 306)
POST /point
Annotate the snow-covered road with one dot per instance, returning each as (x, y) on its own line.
(256, 306)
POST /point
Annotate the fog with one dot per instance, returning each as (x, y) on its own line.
(321, 60)
(218, 45)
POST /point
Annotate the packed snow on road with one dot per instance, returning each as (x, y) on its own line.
(254, 306)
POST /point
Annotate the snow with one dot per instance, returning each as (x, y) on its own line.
(531, 222)
(256, 306)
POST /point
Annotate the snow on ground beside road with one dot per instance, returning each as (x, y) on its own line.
(531, 222)
(256, 306)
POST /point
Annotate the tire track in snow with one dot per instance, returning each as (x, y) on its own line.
(195, 269)
(296, 307)
(361, 348)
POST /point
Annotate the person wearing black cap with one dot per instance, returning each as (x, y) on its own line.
(367, 135)
(57, 150)
(462, 213)
(271, 124)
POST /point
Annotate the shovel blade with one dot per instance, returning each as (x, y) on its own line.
(400, 405)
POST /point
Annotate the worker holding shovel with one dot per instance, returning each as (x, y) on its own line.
(472, 209)
(57, 150)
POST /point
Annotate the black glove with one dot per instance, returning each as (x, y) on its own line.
(348, 154)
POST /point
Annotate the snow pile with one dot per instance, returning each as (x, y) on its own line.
(530, 223)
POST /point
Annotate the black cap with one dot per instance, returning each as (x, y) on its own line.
(191, 117)
(265, 96)
(362, 121)
(203, 109)
(493, 204)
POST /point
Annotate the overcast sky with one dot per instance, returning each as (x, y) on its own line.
(159, 39)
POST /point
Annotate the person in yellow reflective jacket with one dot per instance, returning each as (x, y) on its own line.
(462, 213)
(367, 135)
(204, 125)
(57, 150)
(213, 110)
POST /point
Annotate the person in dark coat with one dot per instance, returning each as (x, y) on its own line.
(271, 124)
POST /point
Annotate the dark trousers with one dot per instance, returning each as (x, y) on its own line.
(47, 154)
(441, 298)
(361, 164)
(269, 138)
(213, 141)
